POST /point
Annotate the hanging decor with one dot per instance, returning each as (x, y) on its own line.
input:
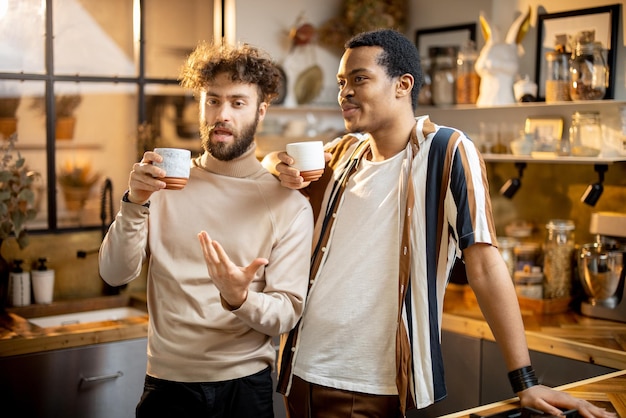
(359, 16)
(302, 75)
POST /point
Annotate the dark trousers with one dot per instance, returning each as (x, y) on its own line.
(247, 397)
(308, 400)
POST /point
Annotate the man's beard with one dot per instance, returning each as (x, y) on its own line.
(223, 151)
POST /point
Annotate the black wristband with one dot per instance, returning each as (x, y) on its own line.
(523, 378)
(127, 200)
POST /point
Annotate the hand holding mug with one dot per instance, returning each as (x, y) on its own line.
(308, 158)
(177, 164)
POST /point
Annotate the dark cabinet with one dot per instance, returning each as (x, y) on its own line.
(461, 356)
(476, 374)
(96, 381)
(551, 370)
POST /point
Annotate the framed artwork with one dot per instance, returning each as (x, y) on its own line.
(545, 126)
(603, 20)
(456, 35)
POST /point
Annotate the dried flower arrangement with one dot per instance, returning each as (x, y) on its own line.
(77, 175)
(64, 104)
(359, 16)
(76, 180)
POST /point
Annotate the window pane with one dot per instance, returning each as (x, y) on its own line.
(173, 29)
(102, 146)
(94, 37)
(22, 29)
(173, 115)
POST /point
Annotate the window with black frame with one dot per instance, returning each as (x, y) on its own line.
(85, 87)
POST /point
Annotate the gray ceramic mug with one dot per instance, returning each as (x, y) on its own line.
(177, 165)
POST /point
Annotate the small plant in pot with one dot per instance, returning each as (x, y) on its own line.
(64, 107)
(17, 198)
(76, 180)
(17, 203)
(65, 120)
(8, 118)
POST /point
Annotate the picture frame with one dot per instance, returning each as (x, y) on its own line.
(603, 19)
(552, 125)
(454, 35)
(546, 132)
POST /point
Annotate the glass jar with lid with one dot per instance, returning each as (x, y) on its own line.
(506, 246)
(443, 75)
(529, 283)
(527, 255)
(621, 143)
(557, 77)
(467, 79)
(558, 251)
(585, 134)
(425, 97)
(587, 70)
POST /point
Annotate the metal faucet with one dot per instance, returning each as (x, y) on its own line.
(107, 191)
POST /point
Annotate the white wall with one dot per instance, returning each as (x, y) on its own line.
(266, 24)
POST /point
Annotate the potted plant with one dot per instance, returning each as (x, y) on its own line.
(64, 107)
(8, 118)
(76, 181)
(17, 203)
(17, 199)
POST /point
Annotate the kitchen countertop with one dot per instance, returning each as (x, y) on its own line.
(568, 334)
(18, 336)
(607, 391)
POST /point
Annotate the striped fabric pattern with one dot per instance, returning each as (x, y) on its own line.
(451, 211)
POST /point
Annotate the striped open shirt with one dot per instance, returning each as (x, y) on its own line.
(444, 209)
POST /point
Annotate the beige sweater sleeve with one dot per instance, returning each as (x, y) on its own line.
(124, 248)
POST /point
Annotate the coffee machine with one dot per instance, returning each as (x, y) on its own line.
(601, 267)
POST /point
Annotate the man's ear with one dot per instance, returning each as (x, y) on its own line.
(404, 85)
(262, 110)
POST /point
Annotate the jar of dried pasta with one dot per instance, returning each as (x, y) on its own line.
(557, 258)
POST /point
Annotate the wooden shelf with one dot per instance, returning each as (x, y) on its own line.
(305, 109)
(496, 158)
(59, 145)
(528, 106)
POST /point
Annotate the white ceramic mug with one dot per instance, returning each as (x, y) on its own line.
(177, 165)
(308, 158)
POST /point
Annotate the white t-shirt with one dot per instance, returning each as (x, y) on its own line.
(350, 292)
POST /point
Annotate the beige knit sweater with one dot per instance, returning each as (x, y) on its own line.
(191, 336)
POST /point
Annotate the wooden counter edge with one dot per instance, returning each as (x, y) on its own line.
(538, 341)
(128, 329)
(514, 402)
